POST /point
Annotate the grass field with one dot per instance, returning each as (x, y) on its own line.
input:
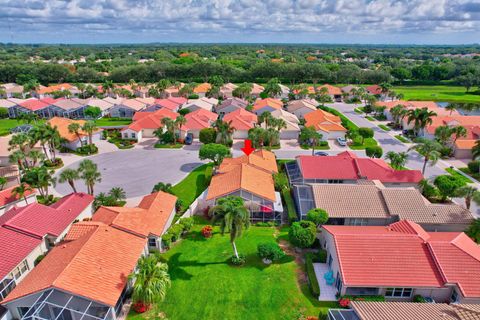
(368, 142)
(192, 186)
(7, 124)
(205, 286)
(458, 175)
(105, 122)
(437, 93)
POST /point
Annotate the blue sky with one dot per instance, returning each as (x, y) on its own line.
(289, 21)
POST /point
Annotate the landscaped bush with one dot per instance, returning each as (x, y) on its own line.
(270, 251)
(344, 302)
(312, 278)
(419, 299)
(207, 231)
(87, 150)
(184, 111)
(50, 199)
(38, 259)
(238, 261)
(208, 174)
(207, 135)
(374, 151)
(474, 166)
(446, 152)
(140, 307)
(193, 96)
(281, 181)
(266, 224)
(3, 113)
(302, 234)
(167, 239)
(321, 256)
(317, 216)
(176, 231)
(186, 223)
(122, 143)
(55, 164)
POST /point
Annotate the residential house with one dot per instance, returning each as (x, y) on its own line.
(267, 104)
(285, 91)
(347, 91)
(203, 103)
(226, 91)
(12, 90)
(376, 90)
(85, 276)
(242, 121)
(149, 220)
(462, 145)
(402, 260)
(8, 104)
(374, 310)
(347, 168)
(229, 105)
(44, 92)
(40, 107)
(173, 91)
(202, 89)
(104, 104)
(72, 140)
(8, 199)
(68, 108)
(127, 108)
(145, 123)
(334, 92)
(256, 90)
(30, 231)
(292, 129)
(328, 125)
(196, 121)
(249, 177)
(375, 205)
(173, 104)
(301, 107)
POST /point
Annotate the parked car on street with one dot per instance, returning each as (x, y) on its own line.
(342, 141)
(321, 153)
(189, 139)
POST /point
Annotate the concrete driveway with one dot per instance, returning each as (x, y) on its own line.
(138, 170)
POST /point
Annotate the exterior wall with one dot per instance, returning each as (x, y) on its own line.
(73, 145)
(289, 134)
(127, 134)
(148, 133)
(463, 153)
(451, 227)
(327, 242)
(240, 134)
(332, 135)
(20, 203)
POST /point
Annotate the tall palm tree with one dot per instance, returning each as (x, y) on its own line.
(69, 175)
(398, 112)
(53, 139)
(3, 182)
(19, 158)
(35, 156)
(459, 132)
(39, 134)
(151, 280)
(89, 173)
(21, 190)
(165, 187)
(397, 160)
(31, 86)
(108, 86)
(443, 134)
(162, 85)
(468, 193)
(429, 149)
(74, 128)
(476, 150)
(266, 118)
(81, 87)
(224, 131)
(179, 122)
(117, 193)
(232, 216)
(272, 88)
(20, 141)
(420, 118)
(451, 107)
(89, 127)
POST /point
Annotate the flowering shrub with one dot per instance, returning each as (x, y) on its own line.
(207, 231)
(344, 302)
(140, 307)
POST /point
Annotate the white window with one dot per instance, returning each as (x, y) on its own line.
(19, 270)
(152, 242)
(399, 292)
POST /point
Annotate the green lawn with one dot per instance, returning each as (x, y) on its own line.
(368, 142)
(192, 186)
(369, 118)
(402, 138)
(205, 286)
(168, 146)
(458, 175)
(7, 124)
(384, 127)
(437, 93)
(106, 122)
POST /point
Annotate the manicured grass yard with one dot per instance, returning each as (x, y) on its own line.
(437, 93)
(106, 122)
(7, 124)
(370, 118)
(458, 175)
(384, 127)
(402, 139)
(368, 142)
(192, 186)
(205, 286)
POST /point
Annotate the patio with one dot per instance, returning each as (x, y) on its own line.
(327, 292)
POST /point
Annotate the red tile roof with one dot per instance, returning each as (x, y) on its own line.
(37, 104)
(199, 119)
(331, 90)
(375, 89)
(38, 220)
(7, 197)
(150, 120)
(347, 166)
(405, 255)
(95, 265)
(167, 103)
(241, 119)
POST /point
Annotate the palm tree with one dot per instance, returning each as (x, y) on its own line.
(265, 117)
(19, 158)
(89, 173)
(39, 134)
(3, 182)
(151, 280)
(81, 87)
(476, 150)
(165, 187)
(36, 156)
(233, 217)
(468, 193)
(53, 139)
(224, 131)
(21, 190)
(272, 88)
(451, 107)
(459, 132)
(108, 86)
(243, 90)
(429, 149)
(420, 118)
(179, 122)
(308, 135)
(161, 86)
(398, 112)
(397, 160)
(443, 134)
(117, 193)
(74, 128)
(20, 141)
(89, 127)
(69, 175)
(31, 86)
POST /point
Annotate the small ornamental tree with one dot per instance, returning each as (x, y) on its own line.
(270, 251)
(365, 133)
(92, 112)
(207, 135)
(448, 185)
(302, 233)
(317, 216)
(215, 152)
(374, 151)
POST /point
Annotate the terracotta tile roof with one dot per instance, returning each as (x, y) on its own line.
(53, 88)
(467, 311)
(95, 265)
(202, 88)
(332, 90)
(167, 103)
(39, 220)
(347, 166)
(325, 121)
(37, 104)
(241, 119)
(14, 248)
(62, 126)
(406, 256)
(242, 177)
(236, 102)
(150, 217)
(261, 159)
(199, 119)
(103, 104)
(178, 100)
(373, 310)
(68, 104)
(7, 197)
(150, 120)
(4, 103)
(268, 102)
(256, 89)
(375, 89)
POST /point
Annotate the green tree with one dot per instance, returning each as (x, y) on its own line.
(272, 88)
(178, 123)
(448, 185)
(365, 133)
(92, 112)
(117, 194)
(443, 134)
(459, 132)
(3, 182)
(75, 128)
(398, 113)
(151, 280)
(468, 193)
(397, 160)
(476, 150)
(89, 173)
(35, 157)
(309, 136)
(214, 152)
(317, 216)
(429, 149)
(207, 135)
(374, 151)
(164, 187)
(302, 234)
(40, 178)
(161, 86)
(473, 230)
(224, 131)
(89, 127)
(70, 176)
(21, 191)
(233, 217)
(420, 118)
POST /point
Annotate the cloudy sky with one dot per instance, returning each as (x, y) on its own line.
(292, 21)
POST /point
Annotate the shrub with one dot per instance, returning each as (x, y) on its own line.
(374, 151)
(184, 111)
(207, 135)
(208, 174)
(474, 166)
(357, 140)
(302, 233)
(193, 96)
(56, 163)
(378, 298)
(448, 185)
(207, 231)
(446, 152)
(3, 113)
(167, 239)
(270, 251)
(176, 231)
(87, 149)
(322, 256)
(419, 299)
(312, 278)
(281, 181)
(186, 223)
(179, 205)
(38, 260)
(365, 132)
(140, 307)
(317, 216)
(238, 261)
(344, 302)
